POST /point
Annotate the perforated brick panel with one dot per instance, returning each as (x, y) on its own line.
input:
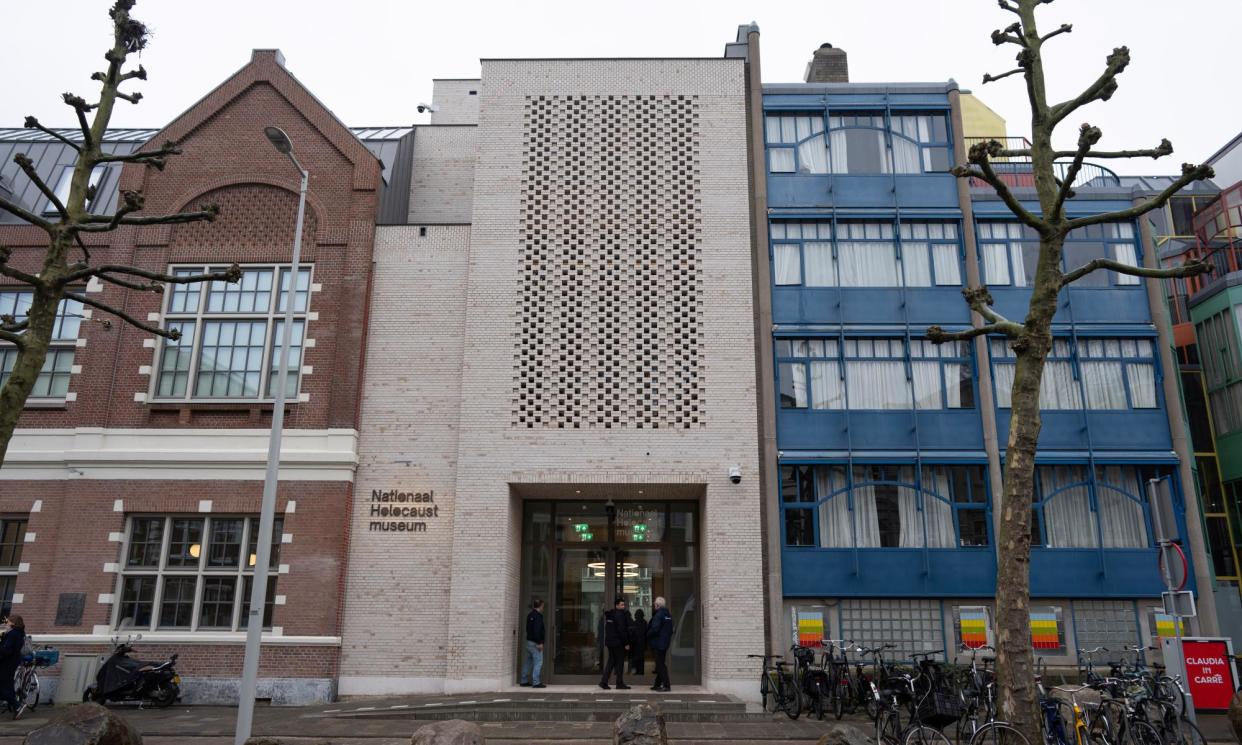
(912, 625)
(611, 273)
(1105, 623)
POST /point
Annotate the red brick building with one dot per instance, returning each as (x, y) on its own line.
(132, 488)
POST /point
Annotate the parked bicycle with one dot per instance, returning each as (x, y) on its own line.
(777, 685)
(26, 678)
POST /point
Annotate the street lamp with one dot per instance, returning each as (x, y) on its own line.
(267, 515)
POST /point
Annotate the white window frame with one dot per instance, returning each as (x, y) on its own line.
(272, 317)
(60, 344)
(65, 183)
(201, 573)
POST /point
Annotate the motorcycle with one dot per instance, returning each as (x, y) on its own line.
(124, 679)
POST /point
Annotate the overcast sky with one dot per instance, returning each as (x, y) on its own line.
(372, 61)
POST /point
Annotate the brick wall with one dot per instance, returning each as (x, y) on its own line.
(457, 100)
(442, 180)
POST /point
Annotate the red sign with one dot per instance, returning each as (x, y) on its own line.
(1209, 672)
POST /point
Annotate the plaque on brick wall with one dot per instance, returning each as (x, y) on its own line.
(69, 609)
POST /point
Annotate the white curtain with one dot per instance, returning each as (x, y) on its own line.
(877, 384)
(827, 388)
(939, 512)
(839, 151)
(1019, 267)
(916, 264)
(813, 155)
(1121, 518)
(948, 269)
(1003, 375)
(1125, 253)
(995, 263)
(1104, 384)
(927, 387)
(834, 515)
(1142, 379)
(788, 268)
(820, 268)
(905, 156)
(781, 160)
(866, 519)
(911, 518)
(797, 379)
(872, 264)
(1058, 389)
(1068, 522)
(953, 372)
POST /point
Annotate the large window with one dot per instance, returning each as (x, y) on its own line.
(12, 539)
(65, 183)
(885, 506)
(1106, 373)
(1010, 253)
(796, 143)
(231, 335)
(192, 573)
(865, 254)
(1074, 510)
(53, 380)
(1217, 338)
(874, 373)
(859, 143)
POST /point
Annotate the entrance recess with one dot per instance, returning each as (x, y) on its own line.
(580, 556)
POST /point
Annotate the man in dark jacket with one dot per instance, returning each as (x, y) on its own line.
(660, 638)
(10, 657)
(638, 643)
(617, 639)
(535, 633)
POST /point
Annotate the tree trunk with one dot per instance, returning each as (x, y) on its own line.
(30, 358)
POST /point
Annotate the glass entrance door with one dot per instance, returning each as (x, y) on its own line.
(581, 592)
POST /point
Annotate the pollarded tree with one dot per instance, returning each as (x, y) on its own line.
(51, 278)
(1031, 338)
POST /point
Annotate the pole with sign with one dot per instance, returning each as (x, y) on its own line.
(1174, 571)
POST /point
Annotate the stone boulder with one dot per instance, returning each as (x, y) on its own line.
(1235, 715)
(448, 732)
(84, 724)
(643, 724)
(845, 734)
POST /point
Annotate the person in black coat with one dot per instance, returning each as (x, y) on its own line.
(660, 638)
(638, 643)
(536, 632)
(10, 657)
(617, 639)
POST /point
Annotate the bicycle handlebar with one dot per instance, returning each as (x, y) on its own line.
(764, 656)
(1097, 650)
(928, 653)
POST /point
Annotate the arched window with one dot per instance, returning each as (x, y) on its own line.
(858, 142)
(1078, 511)
(796, 143)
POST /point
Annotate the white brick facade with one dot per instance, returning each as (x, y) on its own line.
(440, 610)
(442, 181)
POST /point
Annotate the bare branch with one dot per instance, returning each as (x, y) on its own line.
(1189, 269)
(9, 323)
(17, 340)
(1164, 148)
(32, 123)
(167, 334)
(16, 209)
(1088, 136)
(980, 154)
(103, 223)
(1190, 174)
(19, 275)
(81, 107)
(1101, 90)
(1008, 6)
(24, 162)
(937, 335)
(980, 301)
(1065, 29)
(152, 158)
(1011, 34)
(990, 78)
(155, 287)
(140, 74)
(232, 274)
(131, 97)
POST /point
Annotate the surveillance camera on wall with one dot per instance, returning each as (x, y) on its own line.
(425, 107)
(735, 474)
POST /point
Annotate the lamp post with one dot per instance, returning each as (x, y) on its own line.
(267, 515)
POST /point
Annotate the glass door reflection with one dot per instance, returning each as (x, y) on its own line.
(581, 590)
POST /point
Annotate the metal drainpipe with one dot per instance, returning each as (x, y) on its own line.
(769, 472)
(987, 402)
(1206, 619)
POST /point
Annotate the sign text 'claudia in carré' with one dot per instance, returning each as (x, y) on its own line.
(397, 511)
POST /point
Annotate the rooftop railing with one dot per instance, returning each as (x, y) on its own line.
(1018, 173)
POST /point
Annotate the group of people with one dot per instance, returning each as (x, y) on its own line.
(12, 646)
(626, 638)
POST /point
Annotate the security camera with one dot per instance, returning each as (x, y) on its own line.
(735, 474)
(424, 107)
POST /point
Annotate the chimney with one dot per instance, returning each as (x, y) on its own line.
(828, 65)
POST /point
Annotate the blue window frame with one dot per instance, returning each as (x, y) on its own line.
(1073, 508)
(1107, 373)
(1009, 252)
(866, 254)
(869, 142)
(796, 143)
(891, 505)
(874, 373)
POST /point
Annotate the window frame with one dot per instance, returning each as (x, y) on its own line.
(795, 147)
(779, 237)
(65, 183)
(61, 346)
(10, 572)
(1000, 354)
(1110, 235)
(198, 319)
(1093, 483)
(844, 120)
(201, 572)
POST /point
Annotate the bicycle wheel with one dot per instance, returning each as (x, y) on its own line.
(921, 734)
(888, 728)
(819, 701)
(1102, 729)
(767, 693)
(1138, 732)
(31, 698)
(1167, 690)
(838, 701)
(998, 733)
(791, 698)
(966, 728)
(1184, 732)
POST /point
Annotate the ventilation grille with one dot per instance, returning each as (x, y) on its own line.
(611, 273)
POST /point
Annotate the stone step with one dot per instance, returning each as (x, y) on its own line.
(565, 708)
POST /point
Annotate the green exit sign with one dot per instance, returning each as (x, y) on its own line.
(581, 527)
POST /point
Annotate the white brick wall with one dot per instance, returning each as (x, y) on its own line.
(442, 180)
(455, 102)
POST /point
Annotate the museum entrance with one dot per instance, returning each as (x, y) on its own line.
(579, 557)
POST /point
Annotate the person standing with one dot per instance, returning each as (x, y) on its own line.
(10, 657)
(535, 636)
(617, 639)
(660, 638)
(638, 643)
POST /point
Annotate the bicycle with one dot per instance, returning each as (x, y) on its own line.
(777, 683)
(811, 681)
(880, 672)
(977, 696)
(26, 678)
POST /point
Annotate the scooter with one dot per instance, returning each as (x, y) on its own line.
(123, 679)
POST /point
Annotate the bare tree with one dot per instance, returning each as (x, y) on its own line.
(1031, 338)
(57, 276)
